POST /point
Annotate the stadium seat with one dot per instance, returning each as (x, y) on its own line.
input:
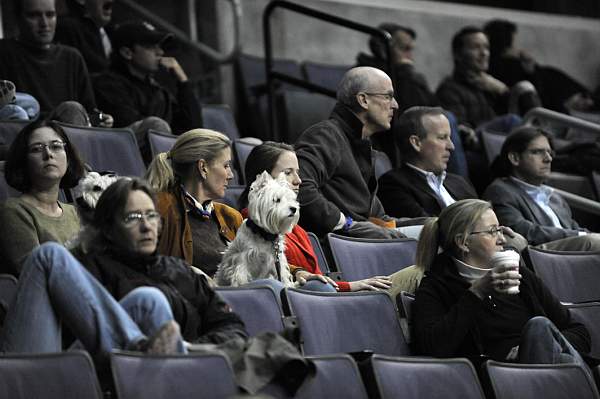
(9, 130)
(571, 276)
(589, 314)
(413, 377)
(65, 375)
(107, 149)
(140, 376)
(6, 191)
(232, 195)
(336, 376)
(596, 183)
(220, 118)
(382, 163)
(241, 150)
(8, 289)
(492, 144)
(346, 322)
(321, 259)
(301, 110)
(579, 185)
(547, 381)
(258, 307)
(359, 258)
(160, 142)
(405, 302)
(325, 75)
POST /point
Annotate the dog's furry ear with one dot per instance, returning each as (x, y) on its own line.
(261, 180)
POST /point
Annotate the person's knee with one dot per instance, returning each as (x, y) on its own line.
(147, 296)
(49, 249)
(537, 324)
(591, 242)
(155, 123)
(70, 112)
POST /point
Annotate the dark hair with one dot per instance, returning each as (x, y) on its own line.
(458, 41)
(111, 204)
(517, 142)
(262, 157)
(409, 123)
(377, 46)
(16, 169)
(500, 33)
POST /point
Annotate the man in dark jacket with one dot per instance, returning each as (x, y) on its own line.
(52, 73)
(421, 186)
(339, 190)
(130, 93)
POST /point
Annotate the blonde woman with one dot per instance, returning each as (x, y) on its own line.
(188, 178)
(465, 306)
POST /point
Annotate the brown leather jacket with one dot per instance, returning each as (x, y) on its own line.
(176, 235)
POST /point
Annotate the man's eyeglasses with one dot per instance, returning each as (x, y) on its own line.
(541, 152)
(386, 96)
(55, 147)
(133, 219)
(493, 231)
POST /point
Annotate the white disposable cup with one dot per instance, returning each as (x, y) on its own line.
(508, 259)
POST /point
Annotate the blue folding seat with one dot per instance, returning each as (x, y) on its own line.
(325, 75)
(241, 150)
(160, 142)
(547, 381)
(65, 375)
(413, 377)
(140, 376)
(359, 258)
(346, 322)
(220, 118)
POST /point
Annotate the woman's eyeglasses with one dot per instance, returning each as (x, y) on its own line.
(54, 147)
(493, 231)
(133, 219)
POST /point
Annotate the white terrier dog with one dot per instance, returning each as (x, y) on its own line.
(257, 250)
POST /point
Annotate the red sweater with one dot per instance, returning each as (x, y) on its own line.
(300, 253)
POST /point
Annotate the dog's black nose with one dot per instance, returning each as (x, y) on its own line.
(293, 209)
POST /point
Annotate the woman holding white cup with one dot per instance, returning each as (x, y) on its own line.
(475, 301)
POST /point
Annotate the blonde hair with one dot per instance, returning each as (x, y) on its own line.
(455, 220)
(175, 165)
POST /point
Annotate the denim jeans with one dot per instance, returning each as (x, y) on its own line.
(541, 342)
(54, 287)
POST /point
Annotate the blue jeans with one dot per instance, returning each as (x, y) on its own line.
(54, 287)
(318, 286)
(541, 342)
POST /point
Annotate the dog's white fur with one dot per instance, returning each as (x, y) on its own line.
(91, 187)
(272, 205)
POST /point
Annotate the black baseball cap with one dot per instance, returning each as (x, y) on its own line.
(137, 32)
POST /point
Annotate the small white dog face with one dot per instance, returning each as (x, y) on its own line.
(272, 204)
(91, 187)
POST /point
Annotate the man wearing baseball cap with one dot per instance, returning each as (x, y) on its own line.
(129, 92)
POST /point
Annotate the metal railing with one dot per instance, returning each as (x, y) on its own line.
(191, 40)
(539, 113)
(273, 75)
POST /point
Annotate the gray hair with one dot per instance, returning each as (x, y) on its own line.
(354, 81)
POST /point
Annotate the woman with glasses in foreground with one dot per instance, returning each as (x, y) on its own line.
(41, 161)
(476, 301)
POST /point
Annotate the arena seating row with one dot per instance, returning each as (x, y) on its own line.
(71, 375)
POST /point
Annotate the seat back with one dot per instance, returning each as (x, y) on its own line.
(589, 315)
(160, 142)
(382, 163)
(9, 130)
(337, 377)
(580, 185)
(325, 75)
(220, 118)
(107, 149)
(140, 376)
(6, 191)
(8, 289)
(301, 110)
(596, 183)
(232, 195)
(571, 276)
(548, 381)
(492, 144)
(258, 307)
(321, 258)
(413, 377)
(405, 303)
(65, 375)
(359, 258)
(345, 322)
(241, 149)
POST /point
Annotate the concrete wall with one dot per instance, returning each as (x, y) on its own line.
(570, 43)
